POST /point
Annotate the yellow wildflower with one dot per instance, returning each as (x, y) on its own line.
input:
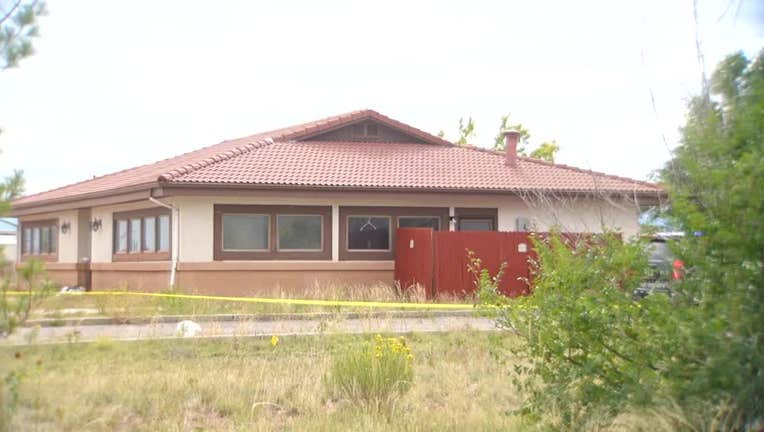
(274, 340)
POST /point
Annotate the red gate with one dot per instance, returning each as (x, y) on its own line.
(438, 260)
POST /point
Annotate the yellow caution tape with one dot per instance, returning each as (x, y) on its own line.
(305, 302)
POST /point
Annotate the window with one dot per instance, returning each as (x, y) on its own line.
(419, 222)
(476, 219)
(39, 239)
(368, 233)
(135, 235)
(149, 234)
(164, 234)
(270, 232)
(470, 224)
(121, 243)
(245, 232)
(142, 235)
(299, 232)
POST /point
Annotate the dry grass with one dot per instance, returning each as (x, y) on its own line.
(74, 305)
(250, 385)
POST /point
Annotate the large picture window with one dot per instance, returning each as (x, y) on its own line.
(269, 232)
(368, 233)
(299, 232)
(142, 235)
(40, 240)
(246, 232)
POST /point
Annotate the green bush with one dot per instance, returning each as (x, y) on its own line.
(587, 346)
(373, 374)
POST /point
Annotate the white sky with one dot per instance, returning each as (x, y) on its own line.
(117, 84)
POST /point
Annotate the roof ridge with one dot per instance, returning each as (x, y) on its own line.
(228, 154)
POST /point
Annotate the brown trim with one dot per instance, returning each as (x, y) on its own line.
(141, 255)
(477, 213)
(272, 253)
(287, 266)
(95, 199)
(218, 189)
(147, 266)
(394, 213)
(43, 223)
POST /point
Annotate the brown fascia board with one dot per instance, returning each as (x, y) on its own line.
(93, 199)
(208, 189)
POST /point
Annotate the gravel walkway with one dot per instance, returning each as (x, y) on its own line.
(250, 328)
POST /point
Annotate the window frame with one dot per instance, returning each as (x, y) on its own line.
(475, 213)
(268, 232)
(141, 254)
(39, 225)
(369, 216)
(438, 218)
(394, 213)
(278, 237)
(273, 253)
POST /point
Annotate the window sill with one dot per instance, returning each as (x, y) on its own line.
(288, 265)
(155, 256)
(40, 257)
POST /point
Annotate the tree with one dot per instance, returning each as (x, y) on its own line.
(18, 26)
(500, 144)
(545, 151)
(466, 131)
(587, 350)
(714, 184)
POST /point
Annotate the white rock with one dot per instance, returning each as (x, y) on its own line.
(187, 328)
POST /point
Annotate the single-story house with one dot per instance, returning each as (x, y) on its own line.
(309, 204)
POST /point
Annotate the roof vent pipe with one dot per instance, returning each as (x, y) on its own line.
(511, 138)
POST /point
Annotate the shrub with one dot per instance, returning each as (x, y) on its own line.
(373, 374)
(586, 345)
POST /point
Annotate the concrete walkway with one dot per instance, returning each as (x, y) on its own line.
(251, 328)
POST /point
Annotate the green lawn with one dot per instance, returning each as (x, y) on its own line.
(248, 384)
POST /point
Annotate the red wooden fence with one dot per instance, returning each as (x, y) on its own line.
(437, 260)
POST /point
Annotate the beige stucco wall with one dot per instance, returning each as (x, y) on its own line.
(584, 214)
(67, 243)
(580, 215)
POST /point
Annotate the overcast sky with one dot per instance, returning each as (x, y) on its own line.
(117, 84)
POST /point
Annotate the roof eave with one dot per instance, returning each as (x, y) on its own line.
(106, 197)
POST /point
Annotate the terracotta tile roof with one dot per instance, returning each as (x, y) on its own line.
(277, 158)
(365, 165)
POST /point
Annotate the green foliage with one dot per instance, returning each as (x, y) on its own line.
(18, 26)
(15, 309)
(546, 151)
(466, 131)
(487, 286)
(372, 375)
(588, 346)
(500, 144)
(715, 185)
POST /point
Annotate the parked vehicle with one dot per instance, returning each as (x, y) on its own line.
(665, 267)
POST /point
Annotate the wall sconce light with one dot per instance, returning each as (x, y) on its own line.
(95, 225)
(65, 227)
(452, 219)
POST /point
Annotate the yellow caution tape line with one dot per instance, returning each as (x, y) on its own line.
(304, 302)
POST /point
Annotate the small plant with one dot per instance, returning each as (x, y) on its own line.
(374, 374)
(487, 286)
